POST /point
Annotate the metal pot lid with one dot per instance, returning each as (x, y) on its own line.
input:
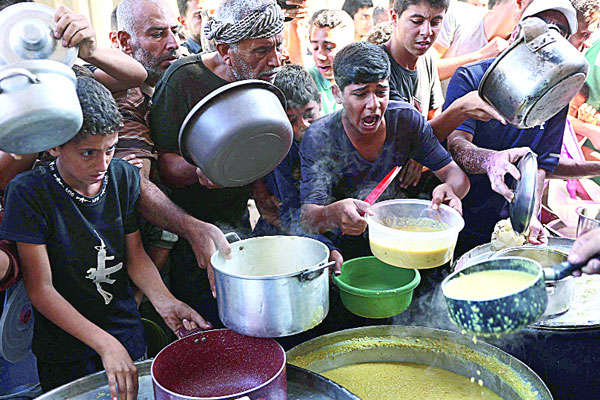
(523, 204)
(16, 324)
(27, 32)
(261, 147)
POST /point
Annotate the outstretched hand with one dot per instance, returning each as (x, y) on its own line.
(499, 164)
(75, 29)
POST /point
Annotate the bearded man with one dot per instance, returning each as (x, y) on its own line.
(249, 36)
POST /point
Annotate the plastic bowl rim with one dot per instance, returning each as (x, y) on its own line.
(398, 232)
(367, 293)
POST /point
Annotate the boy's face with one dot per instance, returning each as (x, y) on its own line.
(302, 117)
(417, 27)
(575, 103)
(363, 21)
(326, 43)
(365, 104)
(83, 164)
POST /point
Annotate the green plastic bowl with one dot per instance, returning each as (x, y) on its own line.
(373, 289)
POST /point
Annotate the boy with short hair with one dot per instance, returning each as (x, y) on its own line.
(76, 227)
(361, 12)
(302, 101)
(330, 31)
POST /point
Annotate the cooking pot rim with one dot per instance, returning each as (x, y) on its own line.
(312, 268)
(539, 275)
(209, 98)
(229, 396)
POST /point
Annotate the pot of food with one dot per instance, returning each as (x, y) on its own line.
(238, 133)
(500, 295)
(560, 292)
(589, 218)
(39, 108)
(27, 30)
(409, 362)
(535, 77)
(220, 364)
(410, 234)
(272, 286)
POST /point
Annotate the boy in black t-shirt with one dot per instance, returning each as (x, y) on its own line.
(76, 227)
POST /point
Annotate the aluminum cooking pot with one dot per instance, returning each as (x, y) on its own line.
(272, 286)
(39, 108)
(218, 365)
(589, 218)
(535, 77)
(238, 133)
(500, 372)
(27, 32)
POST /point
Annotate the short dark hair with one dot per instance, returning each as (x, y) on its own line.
(297, 86)
(589, 10)
(352, 6)
(6, 3)
(360, 62)
(114, 22)
(182, 6)
(401, 5)
(101, 115)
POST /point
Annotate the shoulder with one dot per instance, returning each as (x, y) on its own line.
(401, 110)
(32, 178)
(181, 67)
(322, 131)
(122, 170)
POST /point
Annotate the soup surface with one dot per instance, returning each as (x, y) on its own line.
(396, 380)
(487, 285)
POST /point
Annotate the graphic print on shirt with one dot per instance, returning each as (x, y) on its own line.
(101, 273)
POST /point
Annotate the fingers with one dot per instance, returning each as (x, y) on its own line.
(112, 384)
(131, 380)
(211, 280)
(585, 247)
(221, 242)
(339, 260)
(363, 208)
(456, 204)
(500, 187)
(204, 181)
(592, 267)
(198, 321)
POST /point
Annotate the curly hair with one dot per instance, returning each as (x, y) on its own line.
(332, 19)
(589, 9)
(380, 33)
(101, 115)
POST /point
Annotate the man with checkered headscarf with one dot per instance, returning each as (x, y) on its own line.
(248, 36)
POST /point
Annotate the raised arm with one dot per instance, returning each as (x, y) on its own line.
(117, 71)
(37, 276)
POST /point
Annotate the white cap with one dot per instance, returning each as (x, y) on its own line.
(564, 6)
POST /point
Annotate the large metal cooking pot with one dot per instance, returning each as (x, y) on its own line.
(535, 77)
(39, 108)
(301, 385)
(238, 133)
(27, 32)
(272, 286)
(500, 372)
(589, 218)
(220, 364)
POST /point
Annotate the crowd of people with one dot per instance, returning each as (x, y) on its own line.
(117, 213)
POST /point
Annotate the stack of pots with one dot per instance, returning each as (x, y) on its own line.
(39, 108)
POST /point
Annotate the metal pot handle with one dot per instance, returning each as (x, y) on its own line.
(535, 33)
(312, 273)
(18, 72)
(234, 236)
(562, 270)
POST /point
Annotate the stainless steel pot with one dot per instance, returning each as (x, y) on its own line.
(39, 108)
(535, 77)
(272, 286)
(589, 218)
(500, 372)
(238, 133)
(560, 292)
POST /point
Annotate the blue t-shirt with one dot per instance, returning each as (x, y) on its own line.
(332, 168)
(85, 240)
(482, 207)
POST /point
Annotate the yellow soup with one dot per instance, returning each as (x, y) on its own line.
(487, 285)
(413, 251)
(395, 380)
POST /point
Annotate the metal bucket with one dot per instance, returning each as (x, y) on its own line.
(501, 373)
(589, 218)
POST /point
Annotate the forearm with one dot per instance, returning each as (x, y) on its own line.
(53, 306)
(539, 191)
(455, 178)
(294, 43)
(448, 120)
(10, 167)
(469, 157)
(317, 219)
(447, 66)
(574, 169)
(117, 71)
(175, 171)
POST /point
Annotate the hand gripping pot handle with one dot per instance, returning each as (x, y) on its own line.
(10, 73)
(560, 271)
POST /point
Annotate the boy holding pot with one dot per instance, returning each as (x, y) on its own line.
(76, 227)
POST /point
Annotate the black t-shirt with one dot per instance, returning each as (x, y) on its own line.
(85, 240)
(403, 81)
(183, 85)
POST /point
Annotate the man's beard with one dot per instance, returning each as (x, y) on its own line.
(151, 63)
(242, 70)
